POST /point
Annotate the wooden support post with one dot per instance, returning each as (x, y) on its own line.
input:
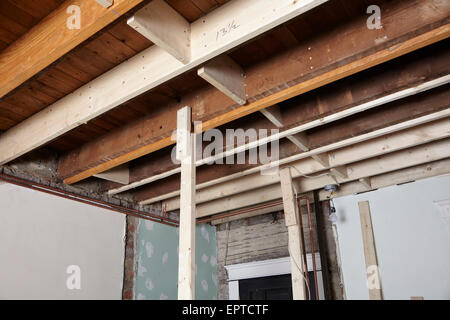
(292, 223)
(370, 255)
(186, 154)
(227, 76)
(165, 27)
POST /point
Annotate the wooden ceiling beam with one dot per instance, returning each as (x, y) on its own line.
(139, 74)
(425, 106)
(406, 175)
(218, 174)
(306, 167)
(401, 176)
(51, 38)
(434, 151)
(321, 158)
(277, 76)
(363, 87)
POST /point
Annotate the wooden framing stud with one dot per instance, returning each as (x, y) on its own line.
(165, 27)
(292, 223)
(370, 255)
(186, 154)
(227, 76)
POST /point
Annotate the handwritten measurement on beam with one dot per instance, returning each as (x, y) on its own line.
(222, 32)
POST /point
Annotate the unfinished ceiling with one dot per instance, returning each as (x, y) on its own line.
(332, 86)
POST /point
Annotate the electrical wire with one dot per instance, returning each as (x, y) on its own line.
(307, 176)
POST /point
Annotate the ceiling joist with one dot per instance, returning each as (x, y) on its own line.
(391, 162)
(424, 171)
(343, 153)
(271, 82)
(295, 130)
(143, 72)
(362, 151)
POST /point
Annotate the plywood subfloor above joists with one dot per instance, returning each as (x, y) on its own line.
(66, 27)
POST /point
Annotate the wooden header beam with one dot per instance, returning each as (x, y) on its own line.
(51, 38)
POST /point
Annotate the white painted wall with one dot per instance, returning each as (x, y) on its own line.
(41, 235)
(412, 241)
